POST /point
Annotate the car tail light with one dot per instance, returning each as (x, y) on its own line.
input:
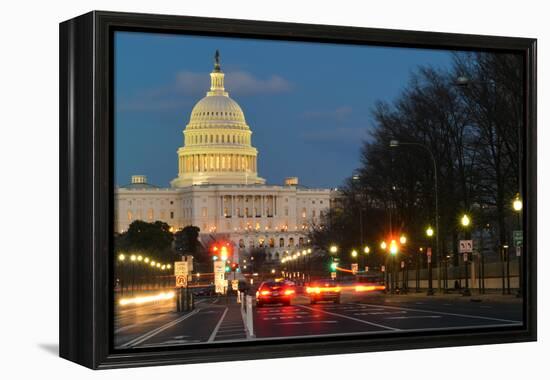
(265, 292)
(289, 292)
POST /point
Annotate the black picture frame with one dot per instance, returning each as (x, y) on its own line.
(86, 188)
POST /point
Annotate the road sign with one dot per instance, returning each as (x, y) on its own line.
(518, 238)
(518, 251)
(465, 246)
(181, 281)
(429, 255)
(333, 275)
(219, 276)
(354, 268)
(181, 268)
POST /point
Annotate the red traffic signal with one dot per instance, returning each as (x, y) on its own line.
(234, 267)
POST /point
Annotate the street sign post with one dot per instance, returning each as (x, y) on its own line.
(181, 271)
(333, 275)
(465, 246)
(181, 281)
(429, 255)
(219, 276)
(518, 238)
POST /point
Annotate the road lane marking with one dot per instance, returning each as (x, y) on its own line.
(452, 314)
(152, 333)
(415, 317)
(304, 322)
(213, 335)
(352, 318)
(121, 329)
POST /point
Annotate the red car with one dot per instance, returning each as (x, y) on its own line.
(323, 290)
(273, 292)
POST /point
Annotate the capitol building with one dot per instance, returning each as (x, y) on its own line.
(218, 187)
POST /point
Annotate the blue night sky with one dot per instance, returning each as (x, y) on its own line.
(308, 104)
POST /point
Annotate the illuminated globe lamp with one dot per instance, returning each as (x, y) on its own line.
(517, 203)
(429, 232)
(367, 249)
(465, 220)
(333, 249)
(393, 247)
(383, 245)
(354, 253)
(403, 239)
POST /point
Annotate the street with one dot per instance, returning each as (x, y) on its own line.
(221, 319)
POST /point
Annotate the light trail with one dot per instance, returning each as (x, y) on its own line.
(146, 299)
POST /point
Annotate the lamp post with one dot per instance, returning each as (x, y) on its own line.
(430, 234)
(517, 205)
(122, 282)
(466, 221)
(396, 144)
(403, 242)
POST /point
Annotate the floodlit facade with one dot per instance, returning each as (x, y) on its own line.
(218, 188)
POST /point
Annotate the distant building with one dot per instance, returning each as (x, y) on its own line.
(218, 188)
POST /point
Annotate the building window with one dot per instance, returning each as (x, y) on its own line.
(271, 243)
(313, 213)
(286, 211)
(171, 202)
(261, 242)
(150, 214)
(291, 242)
(301, 241)
(281, 242)
(171, 214)
(129, 216)
(304, 212)
(204, 212)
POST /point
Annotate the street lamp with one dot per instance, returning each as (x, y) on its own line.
(121, 257)
(383, 245)
(517, 205)
(367, 250)
(430, 234)
(403, 239)
(397, 144)
(466, 222)
(333, 249)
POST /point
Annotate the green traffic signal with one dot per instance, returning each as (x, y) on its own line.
(333, 266)
(227, 268)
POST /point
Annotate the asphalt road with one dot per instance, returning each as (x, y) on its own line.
(216, 320)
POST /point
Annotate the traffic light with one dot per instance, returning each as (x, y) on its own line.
(227, 268)
(234, 267)
(333, 266)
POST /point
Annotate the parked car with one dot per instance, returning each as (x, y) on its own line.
(208, 291)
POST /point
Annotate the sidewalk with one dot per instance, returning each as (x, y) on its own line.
(489, 296)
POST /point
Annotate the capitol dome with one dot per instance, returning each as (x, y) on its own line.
(217, 145)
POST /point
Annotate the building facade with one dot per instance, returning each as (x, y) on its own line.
(218, 188)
